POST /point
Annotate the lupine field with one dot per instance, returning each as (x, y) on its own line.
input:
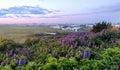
(76, 51)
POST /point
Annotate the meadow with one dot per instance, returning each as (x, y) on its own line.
(74, 51)
(20, 33)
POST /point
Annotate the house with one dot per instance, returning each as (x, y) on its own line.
(76, 29)
(50, 33)
(116, 25)
(55, 26)
(73, 28)
(90, 25)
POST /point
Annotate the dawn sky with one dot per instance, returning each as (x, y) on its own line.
(59, 11)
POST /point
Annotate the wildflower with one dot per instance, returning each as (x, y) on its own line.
(117, 66)
(24, 61)
(6, 54)
(79, 48)
(89, 53)
(84, 53)
(14, 55)
(2, 63)
(11, 52)
(67, 55)
(16, 62)
(105, 69)
(76, 44)
(20, 61)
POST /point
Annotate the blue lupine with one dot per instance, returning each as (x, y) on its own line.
(89, 53)
(119, 41)
(105, 69)
(20, 61)
(84, 53)
(67, 55)
(17, 61)
(2, 63)
(6, 54)
(117, 67)
(79, 48)
(76, 43)
(11, 52)
(24, 61)
(47, 49)
(14, 55)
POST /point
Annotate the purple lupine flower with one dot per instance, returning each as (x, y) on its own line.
(76, 44)
(62, 43)
(14, 55)
(17, 61)
(89, 53)
(7, 59)
(47, 49)
(11, 52)
(112, 41)
(18, 54)
(20, 61)
(6, 54)
(24, 50)
(79, 48)
(89, 44)
(84, 53)
(105, 69)
(119, 41)
(71, 46)
(24, 61)
(2, 63)
(67, 55)
(117, 66)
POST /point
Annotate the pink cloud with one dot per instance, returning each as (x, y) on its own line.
(34, 20)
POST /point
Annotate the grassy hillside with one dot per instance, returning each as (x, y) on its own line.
(76, 51)
(18, 33)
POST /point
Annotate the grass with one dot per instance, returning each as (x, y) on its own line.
(18, 33)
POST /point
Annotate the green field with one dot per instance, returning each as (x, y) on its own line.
(19, 33)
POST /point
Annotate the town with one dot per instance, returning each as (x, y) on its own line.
(78, 27)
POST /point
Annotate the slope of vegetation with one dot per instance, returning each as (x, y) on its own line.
(77, 51)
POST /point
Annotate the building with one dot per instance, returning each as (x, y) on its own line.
(90, 25)
(55, 26)
(73, 28)
(116, 25)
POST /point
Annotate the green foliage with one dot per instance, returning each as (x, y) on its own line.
(8, 44)
(100, 26)
(5, 68)
(78, 53)
(31, 66)
(30, 42)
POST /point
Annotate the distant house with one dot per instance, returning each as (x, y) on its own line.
(73, 28)
(66, 28)
(55, 26)
(90, 25)
(76, 29)
(116, 25)
(50, 33)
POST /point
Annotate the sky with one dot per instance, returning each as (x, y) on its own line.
(59, 11)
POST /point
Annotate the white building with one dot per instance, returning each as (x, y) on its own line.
(50, 33)
(116, 25)
(55, 26)
(90, 25)
(76, 29)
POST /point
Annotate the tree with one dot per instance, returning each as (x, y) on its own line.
(100, 26)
